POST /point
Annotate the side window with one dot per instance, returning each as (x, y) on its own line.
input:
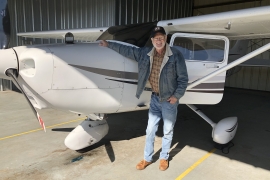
(200, 49)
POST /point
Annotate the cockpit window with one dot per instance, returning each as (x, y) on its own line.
(200, 49)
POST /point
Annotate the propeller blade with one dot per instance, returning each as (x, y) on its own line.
(13, 73)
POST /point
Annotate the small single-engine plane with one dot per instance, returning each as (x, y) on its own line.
(85, 78)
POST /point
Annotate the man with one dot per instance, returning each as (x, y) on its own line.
(164, 67)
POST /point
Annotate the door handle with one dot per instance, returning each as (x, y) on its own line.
(211, 65)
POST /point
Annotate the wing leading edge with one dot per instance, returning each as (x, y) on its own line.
(87, 34)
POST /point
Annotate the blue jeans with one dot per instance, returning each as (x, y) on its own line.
(168, 113)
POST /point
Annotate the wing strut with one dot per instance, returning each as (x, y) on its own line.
(230, 65)
(200, 113)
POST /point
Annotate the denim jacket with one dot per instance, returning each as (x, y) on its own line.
(173, 77)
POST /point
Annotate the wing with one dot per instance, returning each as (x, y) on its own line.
(87, 34)
(136, 34)
(250, 23)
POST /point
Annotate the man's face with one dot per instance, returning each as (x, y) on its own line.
(159, 41)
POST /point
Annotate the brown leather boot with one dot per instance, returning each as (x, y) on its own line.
(142, 164)
(163, 164)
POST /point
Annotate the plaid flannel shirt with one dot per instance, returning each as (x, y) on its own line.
(154, 76)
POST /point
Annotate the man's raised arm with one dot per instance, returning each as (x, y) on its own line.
(127, 51)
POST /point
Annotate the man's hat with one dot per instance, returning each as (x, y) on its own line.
(157, 29)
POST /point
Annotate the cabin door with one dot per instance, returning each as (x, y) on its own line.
(203, 54)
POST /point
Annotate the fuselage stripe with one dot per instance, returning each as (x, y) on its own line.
(134, 76)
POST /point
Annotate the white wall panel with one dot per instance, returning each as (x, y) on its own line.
(251, 78)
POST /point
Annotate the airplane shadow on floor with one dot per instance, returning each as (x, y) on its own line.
(126, 126)
(191, 130)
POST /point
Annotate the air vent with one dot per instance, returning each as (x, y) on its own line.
(27, 67)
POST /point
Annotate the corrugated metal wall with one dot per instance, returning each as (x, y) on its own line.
(255, 78)
(42, 15)
(5, 85)
(139, 11)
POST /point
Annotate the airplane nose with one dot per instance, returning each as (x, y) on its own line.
(8, 59)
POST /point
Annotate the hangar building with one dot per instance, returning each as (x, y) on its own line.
(42, 15)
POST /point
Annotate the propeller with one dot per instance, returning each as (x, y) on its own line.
(13, 73)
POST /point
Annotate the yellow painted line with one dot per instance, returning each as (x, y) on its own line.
(20, 134)
(195, 165)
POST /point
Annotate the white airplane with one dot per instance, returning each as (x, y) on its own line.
(85, 78)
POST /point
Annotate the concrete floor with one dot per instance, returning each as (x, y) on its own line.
(39, 155)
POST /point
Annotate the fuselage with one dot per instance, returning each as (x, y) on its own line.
(85, 78)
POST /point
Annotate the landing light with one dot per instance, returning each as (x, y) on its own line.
(69, 38)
